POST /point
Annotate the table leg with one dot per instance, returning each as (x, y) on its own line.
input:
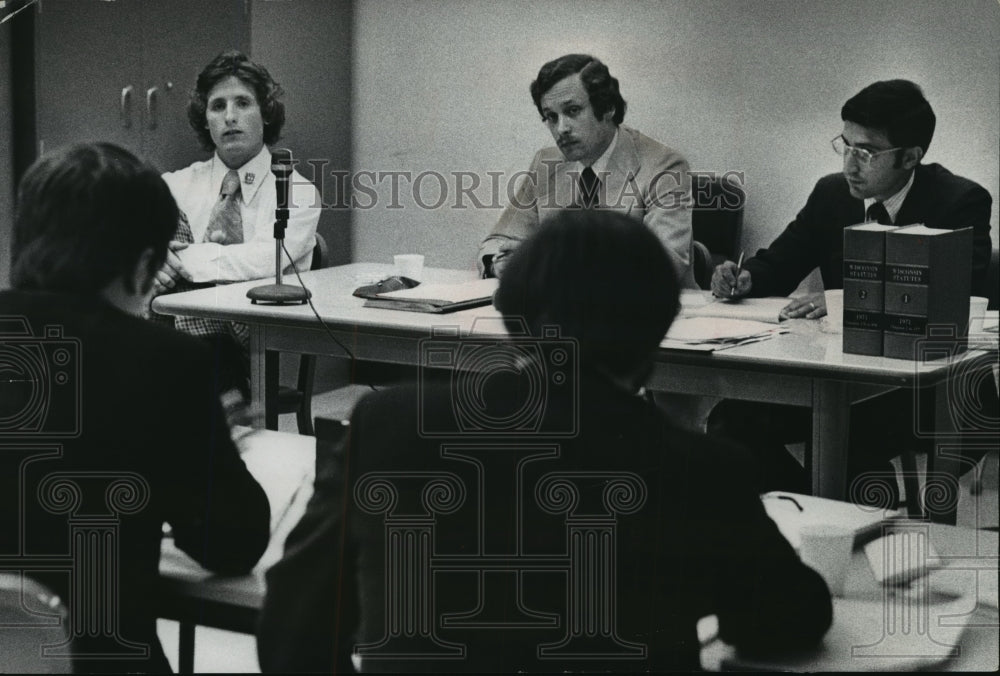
(185, 648)
(272, 362)
(941, 502)
(258, 367)
(831, 406)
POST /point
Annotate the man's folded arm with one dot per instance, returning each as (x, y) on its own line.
(254, 259)
(518, 220)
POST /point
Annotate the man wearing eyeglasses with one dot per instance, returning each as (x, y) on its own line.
(888, 127)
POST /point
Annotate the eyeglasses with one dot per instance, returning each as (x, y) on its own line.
(864, 157)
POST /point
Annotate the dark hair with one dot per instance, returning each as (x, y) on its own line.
(85, 213)
(236, 64)
(600, 86)
(601, 277)
(896, 107)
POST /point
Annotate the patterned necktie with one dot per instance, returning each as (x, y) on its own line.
(590, 189)
(225, 225)
(877, 213)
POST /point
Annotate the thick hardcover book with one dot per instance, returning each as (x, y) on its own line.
(927, 286)
(864, 286)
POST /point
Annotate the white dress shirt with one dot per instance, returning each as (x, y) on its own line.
(196, 189)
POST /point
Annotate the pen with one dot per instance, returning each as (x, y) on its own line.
(739, 269)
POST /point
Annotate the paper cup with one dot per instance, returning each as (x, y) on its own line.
(977, 310)
(827, 550)
(409, 265)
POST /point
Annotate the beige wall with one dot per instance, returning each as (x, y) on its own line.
(752, 86)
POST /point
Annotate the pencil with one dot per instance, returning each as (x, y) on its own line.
(739, 269)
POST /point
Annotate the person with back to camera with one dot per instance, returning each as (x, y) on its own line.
(690, 537)
(133, 433)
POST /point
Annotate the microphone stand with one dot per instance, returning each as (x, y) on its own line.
(279, 293)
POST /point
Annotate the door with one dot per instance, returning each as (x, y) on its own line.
(87, 74)
(180, 37)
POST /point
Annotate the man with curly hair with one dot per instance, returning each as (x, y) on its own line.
(228, 201)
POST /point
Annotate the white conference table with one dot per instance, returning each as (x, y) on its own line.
(946, 621)
(806, 367)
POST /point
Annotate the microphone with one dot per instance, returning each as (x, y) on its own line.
(278, 293)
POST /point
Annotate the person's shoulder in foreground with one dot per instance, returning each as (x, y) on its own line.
(134, 404)
(490, 461)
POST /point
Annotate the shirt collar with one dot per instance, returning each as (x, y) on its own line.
(252, 174)
(893, 204)
(600, 165)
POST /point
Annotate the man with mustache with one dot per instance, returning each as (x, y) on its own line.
(596, 163)
(229, 200)
(888, 127)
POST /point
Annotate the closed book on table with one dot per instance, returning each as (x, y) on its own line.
(928, 278)
(864, 286)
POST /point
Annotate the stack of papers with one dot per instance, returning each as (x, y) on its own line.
(716, 333)
(437, 298)
(755, 309)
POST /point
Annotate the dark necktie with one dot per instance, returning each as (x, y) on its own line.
(877, 213)
(225, 225)
(590, 189)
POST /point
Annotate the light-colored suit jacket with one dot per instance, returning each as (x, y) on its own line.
(644, 179)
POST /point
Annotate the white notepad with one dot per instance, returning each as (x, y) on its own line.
(754, 309)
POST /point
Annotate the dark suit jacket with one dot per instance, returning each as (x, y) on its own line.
(114, 426)
(659, 524)
(937, 198)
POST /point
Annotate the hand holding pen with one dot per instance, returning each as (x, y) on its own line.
(730, 280)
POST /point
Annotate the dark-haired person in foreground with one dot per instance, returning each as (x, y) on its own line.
(229, 200)
(596, 163)
(131, 434)
(888, 127)
(688, 537)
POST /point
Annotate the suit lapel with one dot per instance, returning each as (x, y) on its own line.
(623, 166)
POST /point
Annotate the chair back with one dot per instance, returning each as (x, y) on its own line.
(31, 619)
(701, 261)
(993, 281)
(320, 253)
(717, 216)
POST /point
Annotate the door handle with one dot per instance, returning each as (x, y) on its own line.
(151, 95)
(125, 107)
